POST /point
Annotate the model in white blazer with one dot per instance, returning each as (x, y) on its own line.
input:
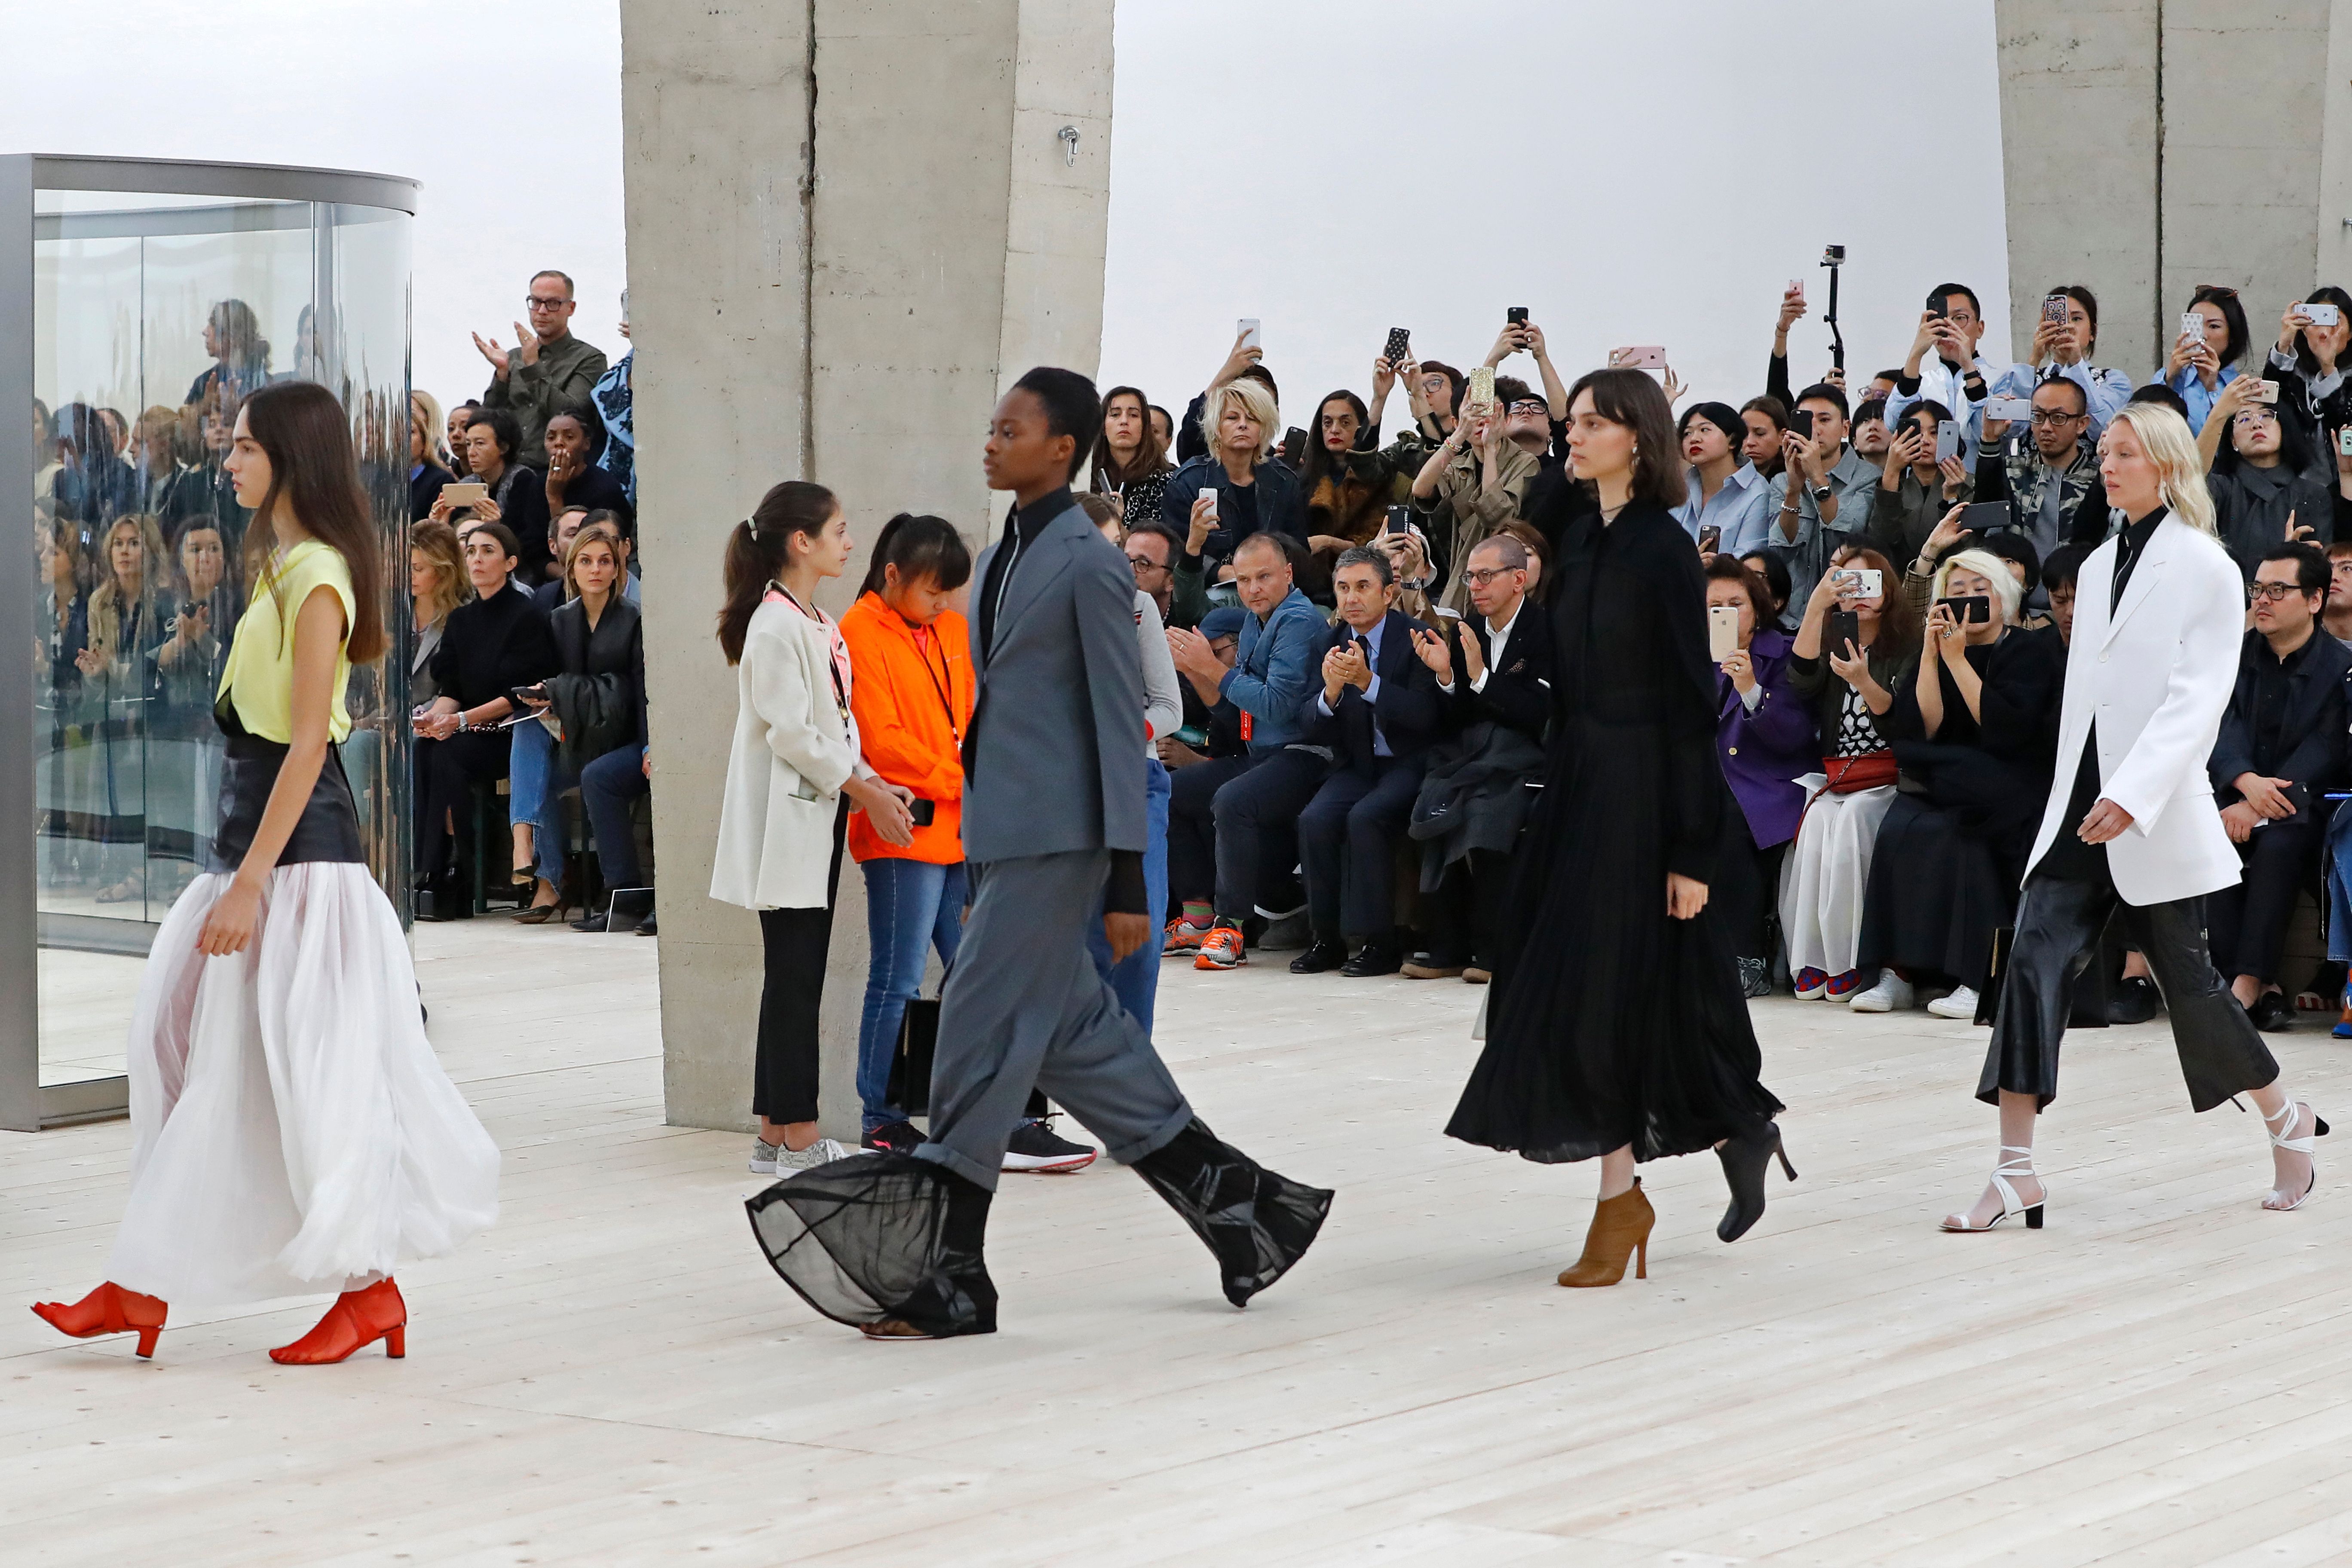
(794, 748)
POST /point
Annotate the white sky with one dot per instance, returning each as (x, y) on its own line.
(1633, 174)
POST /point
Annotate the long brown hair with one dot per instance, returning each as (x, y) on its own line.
(437, 543)
(300, 427)
(757, 550)
(1898, 623)
(1150, 458)
(1629, 397)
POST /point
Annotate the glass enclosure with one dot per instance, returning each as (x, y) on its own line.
(151, 299)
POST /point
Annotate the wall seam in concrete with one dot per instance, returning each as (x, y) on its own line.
(808, 257)
(2158, 332)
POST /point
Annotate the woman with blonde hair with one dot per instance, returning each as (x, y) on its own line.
(127, 621)
(1217, 500)
(2130, 825)
(436, 585)
(428, 464)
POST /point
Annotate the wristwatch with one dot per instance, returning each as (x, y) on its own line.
(1822, 493)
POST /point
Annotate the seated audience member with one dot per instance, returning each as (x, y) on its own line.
(1376, 713)
(2016, 552)
(170, 486)
(461, 457)
(2160, 394)
(1765, 443)
(491, 643)
(1538, 422)
(2062, 351)
(1852, 687)
(1870, 436)
(1727, 493)
(2281, 749)
(2263, 474)
(1236, 489)
(1224, 816)
(517, 496)
(1493, 669)
(2051, 481)
(1211, 730)
(573, 437)
(437, 585)
(1766, 739)
(2197, 367)
(561, 530)
(1774, 573)
(2059, 570)
(1944, 366)
(1820, 499)
(201, 617)
(1432, 391)
(1130, 457)
(1975, 736)
(2309, 362)
(1192, 437)
(632, 584)
(1472, 484)
(1347, 488)
(2337, 619)
(1915, 490)
(428, 470)
(1152, 549)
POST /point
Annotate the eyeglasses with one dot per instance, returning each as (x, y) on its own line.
(1479, 576)
(2272, 593)
(2054, 417)
(1531, 406)
(1141, 565)
(533, 303)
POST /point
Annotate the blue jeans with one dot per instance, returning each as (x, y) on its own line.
(1137, 978)
(607, 785)
(911, 905)
(530, 758)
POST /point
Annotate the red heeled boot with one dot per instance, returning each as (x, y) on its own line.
(358, 1318)
(109, 1310)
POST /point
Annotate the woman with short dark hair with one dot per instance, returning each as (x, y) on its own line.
(1764, 737)
(2203, 362)
(2309, 365)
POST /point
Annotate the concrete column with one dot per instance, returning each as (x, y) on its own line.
(2335, 216)
(849, 226)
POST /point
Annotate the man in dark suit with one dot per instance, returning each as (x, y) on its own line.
(2281, 747)
(1375, 711)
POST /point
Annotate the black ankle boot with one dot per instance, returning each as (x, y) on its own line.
(1745, 1160)
(1257, 1224)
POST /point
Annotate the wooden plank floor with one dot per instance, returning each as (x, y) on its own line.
(2162, 1376)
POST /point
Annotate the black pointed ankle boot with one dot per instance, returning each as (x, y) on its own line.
(1256, 1223)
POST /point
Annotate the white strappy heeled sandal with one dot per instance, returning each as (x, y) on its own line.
(2009, 1203)
(2285, 1120)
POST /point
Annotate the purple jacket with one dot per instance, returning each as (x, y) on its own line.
(1764, 753)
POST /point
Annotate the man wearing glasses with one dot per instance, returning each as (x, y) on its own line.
(547, 371)
(2051, 479)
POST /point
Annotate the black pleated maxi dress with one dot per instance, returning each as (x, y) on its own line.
(1611, 1023)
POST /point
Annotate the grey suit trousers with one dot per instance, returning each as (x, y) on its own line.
(1025, 1006)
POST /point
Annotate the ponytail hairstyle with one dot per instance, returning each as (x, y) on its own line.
(300, 428)
(919, 546)
(758, 551)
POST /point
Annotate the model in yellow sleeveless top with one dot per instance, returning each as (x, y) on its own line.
(291, 1130)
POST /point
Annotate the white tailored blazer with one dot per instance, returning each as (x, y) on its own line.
(2157, 672)
(793, 750)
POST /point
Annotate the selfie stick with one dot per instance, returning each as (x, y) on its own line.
(1832, 258)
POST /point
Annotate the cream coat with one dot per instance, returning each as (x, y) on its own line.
(2156, 674)
(792, 753)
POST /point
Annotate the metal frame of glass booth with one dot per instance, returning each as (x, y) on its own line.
(332, 252)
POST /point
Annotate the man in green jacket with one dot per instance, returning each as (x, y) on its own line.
(547, 371)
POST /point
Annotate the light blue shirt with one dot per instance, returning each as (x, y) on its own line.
(1939, 383)
(2192, 387)
(1743, 507)
(1371, 693)
(2104, 390)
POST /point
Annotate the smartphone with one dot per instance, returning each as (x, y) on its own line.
(1800, 420)
(1936, 308)
(1968, 608)
(526, 696)
(2054, 309)
(923, 812)
(1399, 521)
(1948, 440)
(1710, 537)
(2343, 440)
(192, 609)
(1861, 582)
(1797, 287)
(1210, 495)
(1722, 631)
(1481, 390)
(1641, 357)
(1398, 348)
(1248, 328)
(464, 492)
(2264, 391)
(2321, 313)
(1984, 516)
(2001, 405)
(2192, 326)
(1840, 628)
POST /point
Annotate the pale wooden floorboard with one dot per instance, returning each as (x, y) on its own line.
(613, 1376)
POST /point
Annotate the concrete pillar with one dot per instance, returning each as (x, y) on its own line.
(850, 224)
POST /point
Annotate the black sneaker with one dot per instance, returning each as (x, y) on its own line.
(1372, 958)
(895, 1137)
(1324, 954)
(1755, 978)
(1035, 1150)
(2134, 1001)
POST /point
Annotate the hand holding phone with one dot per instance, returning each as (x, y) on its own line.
(1246, 328)
(1711, 537)
(1722, 631)
(1398, 348)
(1650, 356)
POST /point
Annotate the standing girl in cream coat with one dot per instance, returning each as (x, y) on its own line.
(793, 778)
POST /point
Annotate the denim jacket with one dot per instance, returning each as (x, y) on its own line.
(1272, 665)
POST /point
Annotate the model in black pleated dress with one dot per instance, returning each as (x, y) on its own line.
(1618, 1028)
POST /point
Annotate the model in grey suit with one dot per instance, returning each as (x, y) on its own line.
(1054, 829)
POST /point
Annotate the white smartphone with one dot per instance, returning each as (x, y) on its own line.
(1248, 328)
(1210, 497)
(1859, 582)
(2192, 326)
(2001, 406)
(2266, 390)
(1722, 631)
(2321, 313)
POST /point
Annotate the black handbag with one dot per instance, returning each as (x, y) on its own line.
(910, 1064)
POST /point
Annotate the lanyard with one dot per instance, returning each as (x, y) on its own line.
(946, 701)
(833, 644)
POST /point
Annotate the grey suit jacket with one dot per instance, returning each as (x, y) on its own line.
(1054, 758)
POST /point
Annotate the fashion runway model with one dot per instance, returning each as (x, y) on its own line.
(1618, 1028)
(290, 1128)
(2158, 612)
(1055, 830)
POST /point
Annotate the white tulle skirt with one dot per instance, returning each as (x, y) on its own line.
(291, 1128)
(1823, 875)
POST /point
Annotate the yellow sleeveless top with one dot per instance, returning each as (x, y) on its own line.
(259, 677)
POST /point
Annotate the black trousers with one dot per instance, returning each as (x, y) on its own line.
(2247, 923)
(1192, 827)
(2060, 917)
(1747, 884)
(794, 944)
(1471, 909)
(1230, 820)
(1348, 838)
(447, 771)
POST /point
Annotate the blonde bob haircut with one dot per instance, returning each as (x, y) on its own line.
(1992, 569)
(426, 408)
(2181, 472)
(1251, 395)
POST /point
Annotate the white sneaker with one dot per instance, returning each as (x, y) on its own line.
(1893, 994)
(775, 1160)
(1960, 1004)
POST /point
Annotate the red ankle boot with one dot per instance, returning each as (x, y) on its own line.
(358, 1318)
(109, 1310)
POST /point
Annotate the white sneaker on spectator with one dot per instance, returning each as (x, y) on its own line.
(1960, 1004)
(823, 1152)
(1893, 994)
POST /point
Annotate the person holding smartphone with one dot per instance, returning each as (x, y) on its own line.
(1764, 737)
(1821, 499)
(2064, 335)
(1721, 489)
(2269, 486)
(1916, 487)
(2050, 480)
(2203, 359)
(2309, 361)
(1944, 367)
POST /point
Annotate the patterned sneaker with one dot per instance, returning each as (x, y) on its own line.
(763, 1156)
(1812, 984)
(1842, 987)
(1221, 950)
(895, 1137)
(823, 1152)
(1181, 939)
(1035, 1149)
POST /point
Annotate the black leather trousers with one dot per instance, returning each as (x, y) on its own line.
(2059, 918)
